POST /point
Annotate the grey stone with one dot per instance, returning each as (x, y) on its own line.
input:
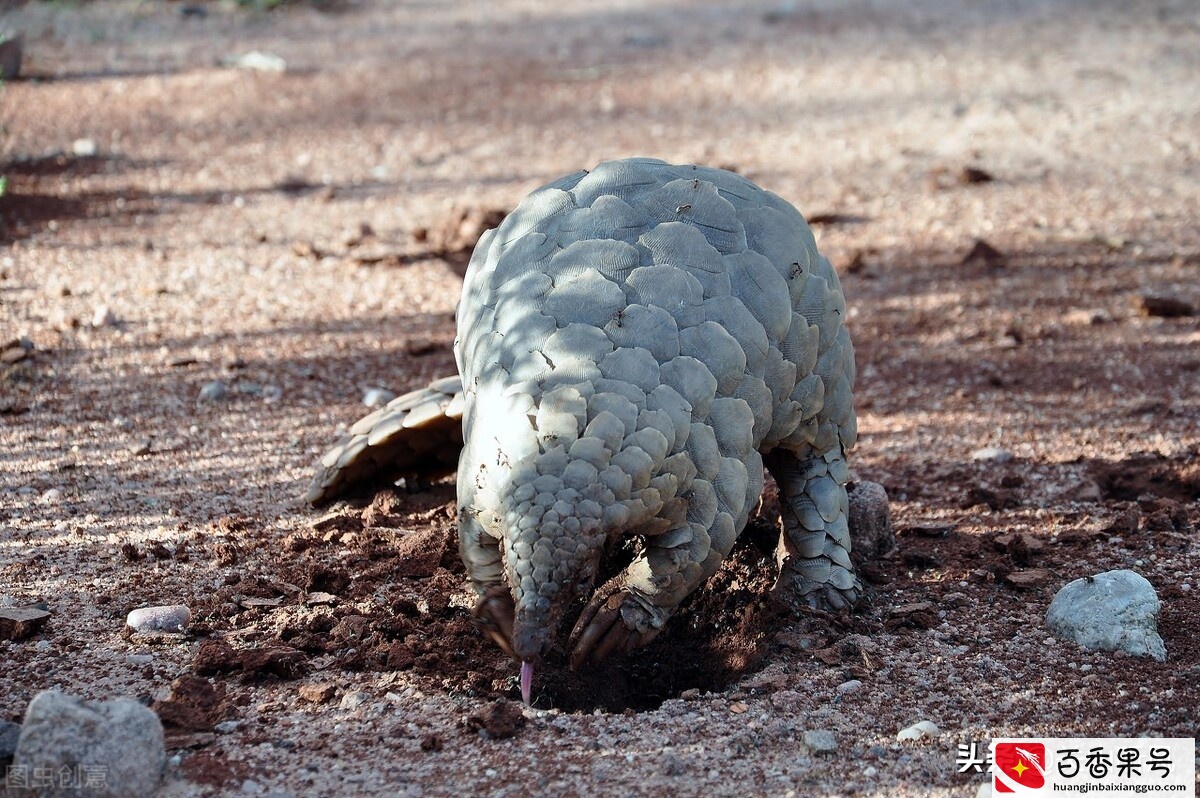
(870, 519)
(11, 50)
(849, 686)
(213, 391)
(108, 749)
(9, 732)
(355, 699)
(159, 619)
(673, 765)
(820, 741)
(1112, 611)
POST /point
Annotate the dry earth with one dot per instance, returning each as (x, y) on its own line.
(295, 235)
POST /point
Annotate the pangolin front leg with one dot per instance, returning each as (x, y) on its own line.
(632, 609)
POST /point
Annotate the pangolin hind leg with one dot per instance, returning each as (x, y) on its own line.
(815, 568)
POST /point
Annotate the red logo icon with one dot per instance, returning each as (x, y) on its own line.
(1019, 767)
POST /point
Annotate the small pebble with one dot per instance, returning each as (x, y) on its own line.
(820, 741)
(921, 730)
(991, 454)
(849, 687)
(377, 397)
(260, 62)
(213, 391)
(103, 317)
(228, 726)
(251, 787)
(171, 618)
(52, 496)
(870, 771)
(139, 659)
(320, 693)
(272, 394)
(673, 765)
(85, 148)
(355, 699)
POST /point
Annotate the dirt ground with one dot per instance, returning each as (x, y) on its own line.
(286, 234)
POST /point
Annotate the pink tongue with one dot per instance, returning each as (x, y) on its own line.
(526, 681)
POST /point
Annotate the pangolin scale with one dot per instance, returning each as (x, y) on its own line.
(635, 343)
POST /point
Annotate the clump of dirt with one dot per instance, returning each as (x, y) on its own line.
(1139, 475)
(213, 767)
(217, 657)
(500, 719)
(193, 705)
(454, 236)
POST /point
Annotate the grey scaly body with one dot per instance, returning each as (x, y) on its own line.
(634, 344)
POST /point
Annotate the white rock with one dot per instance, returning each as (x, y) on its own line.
(159, 619)
(84, 148)
(103, 317)
(1112, 611)
(261, 62)
(121, 739)
(992, 454)
(921, 730)
(377, 397)
(849, 686)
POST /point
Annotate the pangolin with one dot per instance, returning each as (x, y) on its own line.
(635, 343)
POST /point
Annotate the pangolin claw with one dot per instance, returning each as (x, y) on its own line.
(817, 596)
(602, 631)
(494, 616)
